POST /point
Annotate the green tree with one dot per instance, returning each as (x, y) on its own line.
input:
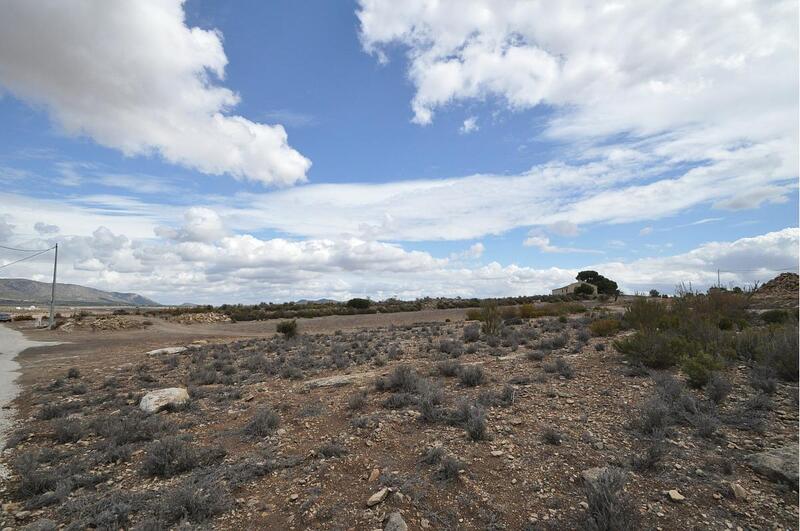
(358, 304)
(604, 285)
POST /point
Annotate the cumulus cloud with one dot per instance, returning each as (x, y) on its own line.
(657, 98)
(541, 242)
(200, 225)
(470, 125)
(580, 53)
(134, 77)
(473, 252)
(6, 228)
(244, 268)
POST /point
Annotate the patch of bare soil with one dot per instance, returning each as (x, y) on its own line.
(544, 427)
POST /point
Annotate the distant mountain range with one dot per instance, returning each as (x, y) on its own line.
(21, 291)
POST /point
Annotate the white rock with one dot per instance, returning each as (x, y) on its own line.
(675, 496)
(157, 400)
(378, 497)
(166, 350)
(739, 492)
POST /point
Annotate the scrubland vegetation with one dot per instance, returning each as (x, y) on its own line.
(556, 416)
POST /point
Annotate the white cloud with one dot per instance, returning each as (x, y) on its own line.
(681, 54)
(243, 268)
(6, 228)
(563, 228)
(644, 231)
(470, 125)
(200, 225)
(132, 76)
(473, 252)
(44, 228)
(653, 99)
(536, 239)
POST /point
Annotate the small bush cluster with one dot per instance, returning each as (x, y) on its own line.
(472, 418)
(287, 328)
(472, 333)
(605, 327)
(491, 319)
(263, 423)
(471, 375)
(608, 508)
(169, 457)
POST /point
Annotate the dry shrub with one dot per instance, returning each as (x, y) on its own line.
(604, 327)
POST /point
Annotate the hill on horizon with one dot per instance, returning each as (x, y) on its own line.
(21, 291)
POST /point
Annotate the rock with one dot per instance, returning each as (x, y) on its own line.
(778, 464)
(378, 497)
(675, 496)
(336, 381)
(374, 475)
(395, 522)
(425, 523)
(584, 505)
(155, 401)
(166, 350)
(739, 492)
(497, 453)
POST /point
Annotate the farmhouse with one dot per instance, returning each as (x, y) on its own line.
(570, 288)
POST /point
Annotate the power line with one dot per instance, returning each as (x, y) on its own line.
(23, 250)
(26, 258)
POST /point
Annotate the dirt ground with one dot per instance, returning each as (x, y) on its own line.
(552, 412)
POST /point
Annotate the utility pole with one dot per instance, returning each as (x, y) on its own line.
(719, 285)
(53, 290)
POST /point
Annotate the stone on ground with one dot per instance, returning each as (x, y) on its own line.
(378, 497)
(166, 350)
(395, 522)
(778, 464)
(155, 401)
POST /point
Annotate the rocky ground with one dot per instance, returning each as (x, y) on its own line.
(781, 292)
(421, 426)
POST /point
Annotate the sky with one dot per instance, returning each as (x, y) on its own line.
(249, 151)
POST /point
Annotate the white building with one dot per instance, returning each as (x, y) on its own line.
(570, 288)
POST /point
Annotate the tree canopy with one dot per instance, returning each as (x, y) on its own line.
(604, 285)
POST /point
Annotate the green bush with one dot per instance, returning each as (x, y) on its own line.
(492, 321)
(775, 316)
(359, 304)
(604, 327)
(779, 351)
(655, 349)
(643, 313)
(287, 328)
(699, 369)
(473, 314)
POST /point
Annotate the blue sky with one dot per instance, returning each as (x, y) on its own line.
(279, 150)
